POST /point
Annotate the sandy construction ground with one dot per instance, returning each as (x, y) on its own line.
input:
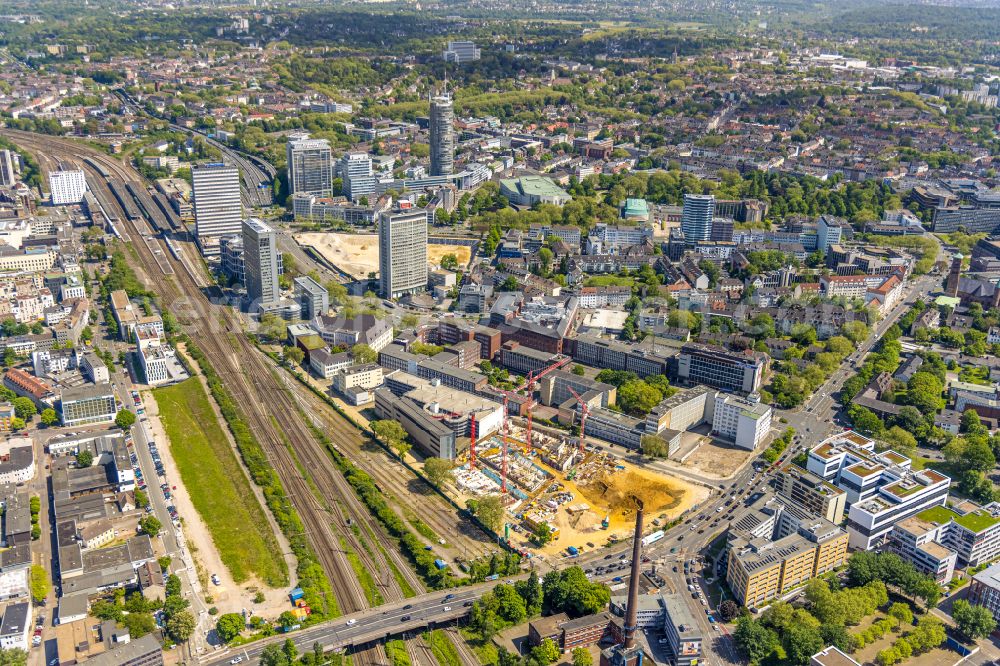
(714, 459)
(357, 254)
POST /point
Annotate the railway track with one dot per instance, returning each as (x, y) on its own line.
(393, 477)
(248, 375)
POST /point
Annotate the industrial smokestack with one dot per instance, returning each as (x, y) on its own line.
(632, 611)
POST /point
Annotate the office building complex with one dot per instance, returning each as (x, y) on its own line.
(402, 252)
(310, 166)
(218, 209)
(85, 405)
(697, 216)
(916, 540)
(8, 174)
(313, 297)
(746, 421)
(812, 493)
(460, 52)
(357, 175)
(985, 589)
(442, 131)
(775, 545)
(721, 368)
(970, 531)
(67, 187)
(881, 488)
(829, 231)
(261, 261)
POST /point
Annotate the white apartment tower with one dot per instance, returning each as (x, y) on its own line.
(67, 187)
(356, 172)
(402, 252)
(442, 131)
(310, 165)
(697, 216)
(218, 208)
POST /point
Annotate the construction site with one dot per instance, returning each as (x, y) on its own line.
(582, 496)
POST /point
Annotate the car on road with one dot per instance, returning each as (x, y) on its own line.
(216, 580)
(467, 604)
(236, 660)
(447, 608)
(405, 618)
(351, 622)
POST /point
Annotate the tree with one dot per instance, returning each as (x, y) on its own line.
(287, 620)
(150, 525)
(293, 355)
(392, 434)
(728, 610)
(973, 622)
(142, 501)
(125, 419)
(547, 652)
(49, 417)
(654, 446)
(489, 510)
(581, 657)
(438, 470)
(802, 642)
(637, 397)
(755, 640)
(579, 370)
(24, 408)
(181, 626)
(13, 657)
(17, 424)
(229, 626)
(39, 583)
(510, 605)
(449, 262)
(84, 458)
(571, 592)
(273, 655)
(362, 353)
(173, 585)
(901, 612)
(542, 533)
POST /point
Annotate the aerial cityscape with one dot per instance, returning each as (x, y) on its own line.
(439, 333)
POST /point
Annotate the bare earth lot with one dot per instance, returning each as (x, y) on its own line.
(357, 254)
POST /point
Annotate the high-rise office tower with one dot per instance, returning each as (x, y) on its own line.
(442, 125)
(7, 175)
(356, 172)
(697, 216)
(261, 261)
(402, 252)
(309, 165)
(218, 209)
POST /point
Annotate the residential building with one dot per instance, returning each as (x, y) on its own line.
(7, 415)
(67, 187)
(362, 329)
(812, 493)
(313, 297)
(461, 52)
(310, 166)
(87, 405)
(828, 232)
(442, 133)
(27, 385)
(366, 375)
(402, 245)
(882, 489)
(697, 217)
(746, 421)
(15, 628)
(93, 367)
(326, 365)
(774, 546)
(218, 208)
(261, 261)
(721, 368)
(145, 651)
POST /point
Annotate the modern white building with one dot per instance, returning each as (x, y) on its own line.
(460, 52)
(357, 175)
(882, 488)
(402, 248)
(218, 208)
(310, 165)
(313, 297)
(261, 261)
(697, 216)
(746, 421)
(442, 135)
(67, 187)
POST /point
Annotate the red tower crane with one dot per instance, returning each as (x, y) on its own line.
(529, 384)
(585, 411)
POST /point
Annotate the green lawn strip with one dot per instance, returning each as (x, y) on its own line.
(396, 652)
(318, 592)
(218, 489)
(365, 579)
(444, 650)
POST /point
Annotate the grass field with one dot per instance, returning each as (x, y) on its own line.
(219, 490)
